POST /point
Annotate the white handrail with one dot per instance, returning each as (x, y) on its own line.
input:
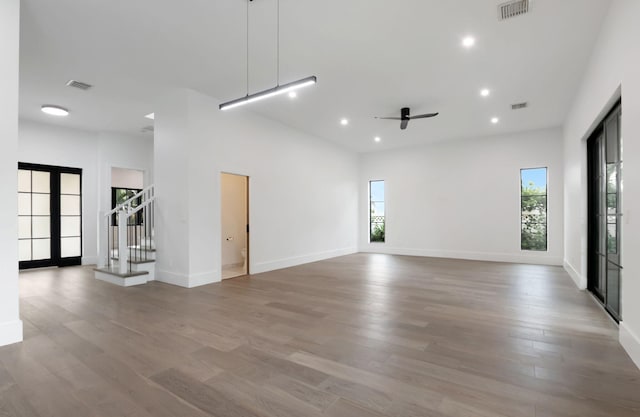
(127, 203)
(140, 207)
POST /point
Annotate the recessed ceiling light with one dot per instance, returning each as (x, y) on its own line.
(485, 92)
(344, 122)
(377, 139)
(293, 94)
(151, 116)
(54, 110)
(468, 41)
(495, 120)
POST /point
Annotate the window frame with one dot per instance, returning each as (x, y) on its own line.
(546, 210)
(370, 214)
(138, 217)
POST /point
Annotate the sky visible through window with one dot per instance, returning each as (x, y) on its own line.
(537, 176)
(377, 197)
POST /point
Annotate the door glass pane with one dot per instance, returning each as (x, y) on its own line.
(613, 288)
(41, 226)
(24, 180)
(602, 243)
(24, 204)
(24, 227)
(70, 226)
(612, 140)
(41, 249)
(612, 178)
(70, 184)
(612, 237)
(602, 274)
(70, 205)
(24, 250)
(41, 204)
(41, 182)
(70, 246)
(612, 203)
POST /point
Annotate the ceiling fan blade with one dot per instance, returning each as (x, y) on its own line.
(404, 123)
(424, 116)
(389, 118)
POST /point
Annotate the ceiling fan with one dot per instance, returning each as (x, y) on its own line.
(405, 117)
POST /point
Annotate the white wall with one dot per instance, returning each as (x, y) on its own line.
(461, 199)
(233, 190)
(127, 178)
(303, 191)
(614, 68)
(10, 324)
(95, 153)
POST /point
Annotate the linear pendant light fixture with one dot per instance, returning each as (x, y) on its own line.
(274, 91)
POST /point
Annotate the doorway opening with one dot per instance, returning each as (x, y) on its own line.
(604, 270)
(49, 216)
(234, 198)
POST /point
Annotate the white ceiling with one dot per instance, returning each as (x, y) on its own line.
(371, 57)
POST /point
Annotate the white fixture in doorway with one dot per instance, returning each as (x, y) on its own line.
(234, 221)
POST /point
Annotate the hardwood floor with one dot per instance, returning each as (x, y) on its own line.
(362, 335)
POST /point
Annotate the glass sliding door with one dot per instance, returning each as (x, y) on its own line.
(605, 212)
(49, 216)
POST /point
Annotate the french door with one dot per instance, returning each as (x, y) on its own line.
(605, 212)
(49, 216)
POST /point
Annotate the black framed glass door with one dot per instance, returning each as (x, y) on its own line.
(604, 149)
(49, 216)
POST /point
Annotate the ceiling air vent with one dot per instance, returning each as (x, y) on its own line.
(513, 8)
(78, 84)
(518, 106)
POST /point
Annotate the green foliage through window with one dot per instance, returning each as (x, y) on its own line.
(533, 209)
(119, 196)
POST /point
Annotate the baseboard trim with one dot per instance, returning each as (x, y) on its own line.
(631, 343)
(257, 268)
(578, 279)
(473, 256)
(172, 278)
(204, 278)
(10, 332)
(89, 260)
(187, 281)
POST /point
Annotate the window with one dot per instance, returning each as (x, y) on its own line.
(376, 211)
(533, 209)
(119, 196)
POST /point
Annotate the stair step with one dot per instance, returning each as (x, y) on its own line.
(114, 270)
(135, 261)
(113, 276)
(142, 249)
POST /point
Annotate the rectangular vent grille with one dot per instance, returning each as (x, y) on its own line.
(519, 106)
(79, 84)
(513, 8)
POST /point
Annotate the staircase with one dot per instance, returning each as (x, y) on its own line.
(129, 255)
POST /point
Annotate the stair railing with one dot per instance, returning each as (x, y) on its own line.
(130, 230)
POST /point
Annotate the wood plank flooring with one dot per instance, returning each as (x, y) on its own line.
(363, 335)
